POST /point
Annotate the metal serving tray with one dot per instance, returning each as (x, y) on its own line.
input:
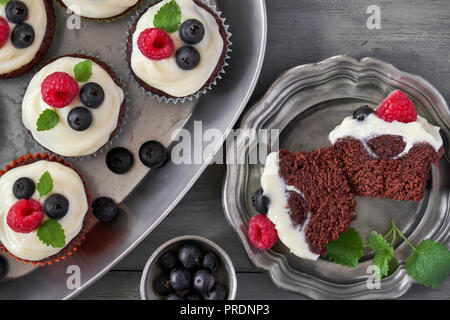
(155, 193)
(306, 103)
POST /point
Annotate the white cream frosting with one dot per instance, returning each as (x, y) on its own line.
(166, 75)
(66, 182)
(12, 58)
(419, 131)
(62, 139)
(99, 9)
(279, 213)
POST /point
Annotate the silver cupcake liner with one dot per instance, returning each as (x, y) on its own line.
(110, 142)
(144, 7)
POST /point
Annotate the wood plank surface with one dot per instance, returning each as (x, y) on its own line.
(414, 36)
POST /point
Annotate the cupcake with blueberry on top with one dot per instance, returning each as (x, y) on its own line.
(74, 106)
(26, 33)
(44, 209)
(176, 49)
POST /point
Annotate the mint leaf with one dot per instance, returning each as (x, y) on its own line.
(45, 184)
(83, 71)
(384, 252)
(429, 264)
(347, 250)
(52, 234)
(47, 120)
(4, 1)
(168, 17)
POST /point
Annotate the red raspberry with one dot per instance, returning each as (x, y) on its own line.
(262, 232)
(25, 216)
(397, 107)
(59, 89)
(4, 31)
(155, 44)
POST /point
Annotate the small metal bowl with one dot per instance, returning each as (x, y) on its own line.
(225, 275)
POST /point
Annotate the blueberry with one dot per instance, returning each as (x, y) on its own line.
(56, 206)
(192, 31)
(260, 201)
(191, 295)
(174, 296)
(119, 160)
(180, 279)
(211, 262)
(190, 255)
(153, 154)
(362, 113)
(16, 11)
(24, 188)
(203, 281)
(162, 285)
(187, 58)
(4, 267)
(92, 95)
(22, 36)
(168, 261)
(217, 293)
(79, 118)
(105, 209)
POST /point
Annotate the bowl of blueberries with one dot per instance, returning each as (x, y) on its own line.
(189, 268)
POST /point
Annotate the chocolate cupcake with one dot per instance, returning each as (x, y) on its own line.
(45, 209)
(176, 49)
(74, 106)
(100, 9)
(26, 32)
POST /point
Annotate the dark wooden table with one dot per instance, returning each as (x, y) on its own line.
(414, 36)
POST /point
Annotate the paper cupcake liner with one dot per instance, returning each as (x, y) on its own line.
(115, 134)
(76, 242)
(109, 19)
(161, 98)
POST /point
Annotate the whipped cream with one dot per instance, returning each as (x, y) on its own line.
(62, 139)
(166, 75)
(276, 189)
(66, 182)
(419, 131)
(99, 9)
(12, 58)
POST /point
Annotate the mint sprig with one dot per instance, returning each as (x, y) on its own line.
(347, 250)
(384, 252)
(51, 233)
(47, 120)
(83, 71)
(4, 2)
(429, 264)
(45, 184)
(168, 17)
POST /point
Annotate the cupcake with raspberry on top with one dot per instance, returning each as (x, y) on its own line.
(177, 49)
(26, 32)
(74, 106)
(44, 209)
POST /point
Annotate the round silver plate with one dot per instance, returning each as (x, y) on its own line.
(305, 104)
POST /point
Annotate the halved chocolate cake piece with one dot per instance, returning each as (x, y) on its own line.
(310, 199)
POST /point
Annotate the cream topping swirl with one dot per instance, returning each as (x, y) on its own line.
(276, 189)
(419, 131)
(166, 75)
(66, 182)
(12, 58)
(99, 9)
(62, 139)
